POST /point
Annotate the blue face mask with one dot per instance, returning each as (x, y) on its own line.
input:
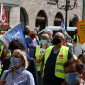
(14, 61)
(69, 41)
(71, 78)
(43, 42)
(64, 37)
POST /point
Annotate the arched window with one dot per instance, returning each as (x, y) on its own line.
(23, 17)
(58, 19)
(41, 20)
(73, 21)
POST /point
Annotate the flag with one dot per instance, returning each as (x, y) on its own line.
(15, 33)
(62, 26)
(3, 14)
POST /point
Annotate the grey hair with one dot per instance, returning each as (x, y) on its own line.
(23, 54)
(47, 30)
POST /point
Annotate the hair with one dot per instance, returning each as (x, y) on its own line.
(27, 30)
(46, 36)
(47, 30)
(23, 54)
(81, 55)
(16, 44)
(77, 64)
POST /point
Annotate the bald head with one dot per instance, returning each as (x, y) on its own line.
(59, 35)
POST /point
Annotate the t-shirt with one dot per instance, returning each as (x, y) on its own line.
(49, 72)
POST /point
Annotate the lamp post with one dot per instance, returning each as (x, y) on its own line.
(66, 7)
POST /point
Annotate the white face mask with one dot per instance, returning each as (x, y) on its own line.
(84, 67)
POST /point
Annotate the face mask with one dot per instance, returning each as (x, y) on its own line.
(71, 78)
(14, 61)
(69, 41)
(32, 36)
(84, 67)
(64, 37)
(43, 42)
(56, 41)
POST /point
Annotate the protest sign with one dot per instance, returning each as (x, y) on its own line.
(15, 33)
(81, 31)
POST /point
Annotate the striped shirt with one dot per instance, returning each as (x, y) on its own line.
(20, 77)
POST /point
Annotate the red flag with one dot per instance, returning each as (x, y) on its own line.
(3, 14)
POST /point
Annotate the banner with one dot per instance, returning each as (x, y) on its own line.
(81, 31)
(14, 33)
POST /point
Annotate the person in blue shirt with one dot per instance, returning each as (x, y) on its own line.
(17, 75)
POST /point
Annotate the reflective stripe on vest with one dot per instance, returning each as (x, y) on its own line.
(37, 58)
(60, 60)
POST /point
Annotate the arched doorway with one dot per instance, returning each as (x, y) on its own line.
(41, 20)
(73, 21)
(58, 19)
(23, 17)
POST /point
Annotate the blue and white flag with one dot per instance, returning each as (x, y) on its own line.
(14, 33)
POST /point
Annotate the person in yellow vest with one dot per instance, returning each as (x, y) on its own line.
(76, 37)
(39, 52)
(52, 69)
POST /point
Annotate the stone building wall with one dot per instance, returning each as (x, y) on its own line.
(32, 8)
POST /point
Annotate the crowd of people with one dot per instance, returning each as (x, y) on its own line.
(52, 60)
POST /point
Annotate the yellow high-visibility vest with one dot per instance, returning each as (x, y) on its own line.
(77, 42)
(1, 47)
(60, 60)
(37, 58)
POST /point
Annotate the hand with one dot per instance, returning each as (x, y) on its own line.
(2, 82)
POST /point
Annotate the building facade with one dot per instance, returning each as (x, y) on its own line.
(41, 13)
(12, 10)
